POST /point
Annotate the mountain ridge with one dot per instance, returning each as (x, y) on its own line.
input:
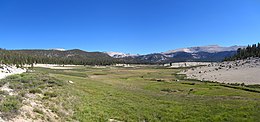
(208, 48)
(195, 49)
(209, 53)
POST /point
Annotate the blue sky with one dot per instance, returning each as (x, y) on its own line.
(129, 26)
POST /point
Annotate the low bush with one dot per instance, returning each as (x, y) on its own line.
(10, 104)
(50, 94)
(36, 110)
(189, 83)
(35, 90)
(99, 74)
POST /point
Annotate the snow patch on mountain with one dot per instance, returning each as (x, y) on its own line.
(209, 49)
(199, 53)
(59, 49)
(119, 54)
(6, 70)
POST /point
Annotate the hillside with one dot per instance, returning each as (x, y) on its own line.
(75, 56)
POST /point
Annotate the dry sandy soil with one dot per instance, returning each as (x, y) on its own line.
(56, 66)
(188, 64)
(6, 70)
(240, 71)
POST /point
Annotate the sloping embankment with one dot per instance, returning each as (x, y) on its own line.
(6, 70)
(240, 71)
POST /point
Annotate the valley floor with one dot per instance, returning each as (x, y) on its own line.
(141, 93)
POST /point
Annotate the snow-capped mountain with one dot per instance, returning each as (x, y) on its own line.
(59, 49)
(119, 54)
(208, 49)
(201, 53)
(205, 53)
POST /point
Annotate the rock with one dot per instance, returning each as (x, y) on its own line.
(114, 120)
(160, 80)
(70, 81)
(1, 120)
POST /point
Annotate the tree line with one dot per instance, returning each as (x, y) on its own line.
(244, 53)
(20, 58)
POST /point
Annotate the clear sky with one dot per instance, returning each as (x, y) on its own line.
(129, 26)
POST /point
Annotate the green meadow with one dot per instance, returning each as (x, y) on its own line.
(142, 93)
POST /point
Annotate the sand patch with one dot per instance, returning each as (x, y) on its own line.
(6, 70)
(56, 66)
(241, 71)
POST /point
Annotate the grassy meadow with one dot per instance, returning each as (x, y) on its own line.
(143, 93)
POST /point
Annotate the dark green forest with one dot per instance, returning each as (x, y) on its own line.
(77, 57)
(244, 53)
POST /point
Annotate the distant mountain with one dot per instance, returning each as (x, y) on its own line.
(152, 58)
(119, 55)
(208, 49)
(59, 49)
(202, 53)
(61, 56)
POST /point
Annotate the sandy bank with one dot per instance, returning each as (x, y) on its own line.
(187, 64)
(55, 66)
(241, 71)
(6, 70)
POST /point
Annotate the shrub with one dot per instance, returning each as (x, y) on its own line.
(169, 90)
(35, 90)
(189, 83)
(37, 111)
(10, 104)
(22, 93)
(3, 93)
(166, 90)
(2, 83)
(50, 94)
(25, 80)
(99, 74)
(12, 77)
